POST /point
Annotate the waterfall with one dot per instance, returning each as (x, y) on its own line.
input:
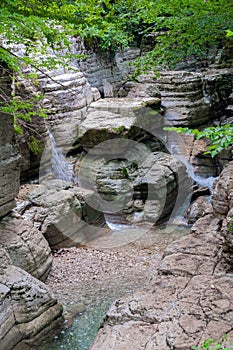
(176, 151)
(201, 181)
(60, 167)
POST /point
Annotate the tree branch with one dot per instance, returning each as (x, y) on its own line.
(34, 66)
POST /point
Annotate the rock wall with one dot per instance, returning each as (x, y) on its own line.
(9, 156)
(188, 98)
(28, 311)
(193, 99)
(9, 165)
(106, 72)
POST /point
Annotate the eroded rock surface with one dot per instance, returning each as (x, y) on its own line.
(26, 246)
(190, 299)
(29, 312)
(9, 165)
(63, 213)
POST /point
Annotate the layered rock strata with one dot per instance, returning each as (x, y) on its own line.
(122, 138)
(28, 310)
(9, 165)
(63, 213)
(26, 246)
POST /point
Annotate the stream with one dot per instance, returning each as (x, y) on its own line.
(128, 268)
(87, 280)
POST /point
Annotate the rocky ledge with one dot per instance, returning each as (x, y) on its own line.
(61, 212)
(190, 297)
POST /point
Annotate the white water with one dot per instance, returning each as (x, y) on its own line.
(201, 181)
(60, 167)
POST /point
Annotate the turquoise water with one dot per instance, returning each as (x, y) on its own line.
(84, 328)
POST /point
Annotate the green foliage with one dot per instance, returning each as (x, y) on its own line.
(120, 129)
(38, 26)
(33, 33)
(36, 145)
(221, 136)
(185, 29)
(124, 172)
(212, 344)
(230, 225)
(181, 29)
(23, 109)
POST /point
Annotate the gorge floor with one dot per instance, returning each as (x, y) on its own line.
(87, 280)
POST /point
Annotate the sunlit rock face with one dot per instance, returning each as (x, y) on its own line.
(62, 213)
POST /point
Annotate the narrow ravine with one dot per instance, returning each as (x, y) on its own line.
(87, 280)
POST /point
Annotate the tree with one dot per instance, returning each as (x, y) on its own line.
(181, 29)
(34, 33)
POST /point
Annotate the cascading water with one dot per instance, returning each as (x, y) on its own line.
(60, 167)
(201, 181)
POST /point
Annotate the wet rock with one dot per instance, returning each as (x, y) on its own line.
(26, 246)
(197, 209)
(139, 186)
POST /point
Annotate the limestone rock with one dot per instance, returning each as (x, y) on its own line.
(190, 299)
(26, 245)
(9, 166)
(197, 209)
(222, 202)
(194, 98)
(120, 118)
(105, 71)
(136, 185)
(28, 310)
(67, 97)
(222, 199)
(63, 214)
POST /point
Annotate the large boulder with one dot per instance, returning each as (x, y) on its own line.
(133, 118)
(123, 163)
(60, 211)
(28, 310)
(26, 246)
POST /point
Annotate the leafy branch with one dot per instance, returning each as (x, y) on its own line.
(220, 136)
